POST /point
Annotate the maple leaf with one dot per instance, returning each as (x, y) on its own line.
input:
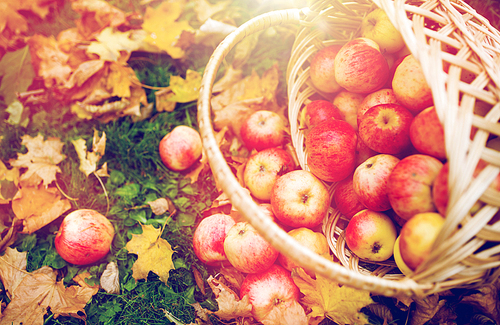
(12, 269)
(153, 254)
(180, 90)
(326, 298)
(97, 15)
(230, 305)
(17, 73)
(89, 159)
(9, 182)
(113, 45)
(42, 159)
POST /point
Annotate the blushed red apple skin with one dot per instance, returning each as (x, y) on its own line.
(331, 150)
(263, 129)
(346, 199)
(322, 71)
(180, 148)
(84, 237)
(381, 96)
(320, 110)
(427, 134)
(208, 238)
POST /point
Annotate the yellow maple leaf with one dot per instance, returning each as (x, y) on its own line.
(180, 90)
(89, 159)
(9, 182)
(163, 29)
(112, 45)
(153, 254)
(327, 298)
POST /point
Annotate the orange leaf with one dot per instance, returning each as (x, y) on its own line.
(96, 15)
(230, 305)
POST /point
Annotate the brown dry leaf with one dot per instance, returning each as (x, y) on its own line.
(42, 159)
(487, 298)
(89, 159)
(230, 305)
(110, 279)
(233, 276)
(12, 269)
(114, 45)
(96, 15)
(161, 205)
(326, 298)
(9, 182)
(425, 309)
(180, 90)
(154, 254)
(231, 76)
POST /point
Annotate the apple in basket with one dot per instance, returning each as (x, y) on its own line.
(427, 134)
(348, 103)
(385, 128)
(410, 185)
(263, 168)
(268, 290)
(321, 69)
(363, 152)
(360, 67)
(370, 181)
(382, 96)
(371, 235)
(331, 150)
(411, 87)
(320, 110)
(299, 199)
(247, 250)
(405, 269)
(378, 27)
(417, 237)
(208, 238)
(262, 129)
(180, 148)
(345, 198)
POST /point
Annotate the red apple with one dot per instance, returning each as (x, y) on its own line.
(180, 148)
(346, 199)
(370, 181)
(360, 67)
(208, 238)
(348, 103)
(410, 185)
(262, 129)
(385, 128)
(268, 290)
(405, 269)
(262, 170)
(320, 110)
(382, 96)
(299, 199)
(363, 152)
(322, 71)
(427, 134)
(371, 235)
(331, 150)
(247, 250)
(84, 237)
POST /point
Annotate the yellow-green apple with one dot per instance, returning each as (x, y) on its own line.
(370, 181)
(427, 134)
(322, 71)
(363, 152)
(247, 250)
(331, 150)
(348, 103)
(399, 259)
(263, 129)
(385, 128)
(411, 87)
(392, 70)
(180, 148)
(208, 238)
(418, 236)
(371, 235)
(378, 27)
(269, 290)
(410, 185)
(320, 110)
(382, 96)
(263, 168)
(360, 67)
(300, 199)
(346, 199)
(306, 237)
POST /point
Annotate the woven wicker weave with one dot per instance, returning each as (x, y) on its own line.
(467, 252)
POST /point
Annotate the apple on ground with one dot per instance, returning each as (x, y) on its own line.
(345, 198)
(370, 181)
(320, 110)
(299, 199)
(427, 134)
(410, 185)
(208, 238)
(385, 128)
(348, 103)
(84, 237)
(247, 250)
(418, 236)
(378, 27)
(382, 96)
(360, 67)
(411, 87)
(180, 148)
(269, 290)
(306, 237)
(331, 150)
(322, 70)
(371, 235)
(262, 129)
(263, 168)
(405, 269)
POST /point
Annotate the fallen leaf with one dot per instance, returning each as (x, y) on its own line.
(89, 159)
(426, 308)
(110, 279)
(42, 159)
(230, 305)
(80, 279)
(231, 76)
(153, 254)
(17, 74)
(12, 269)
(113, 45)
(204, 9)
(161, 205)
(212, 32)
(9, 182)
(17, 114)
(327, 298)
(96, 15)
(180, 90)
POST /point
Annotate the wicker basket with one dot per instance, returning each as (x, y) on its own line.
(467, 252)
